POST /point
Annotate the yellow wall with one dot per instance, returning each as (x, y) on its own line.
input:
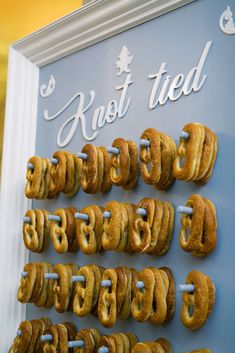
(19, 18)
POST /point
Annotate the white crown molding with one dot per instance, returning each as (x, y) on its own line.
(92, 23)
(19, 144)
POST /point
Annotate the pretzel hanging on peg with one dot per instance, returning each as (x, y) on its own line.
(201, 300)
(36, 230)
(33, 177)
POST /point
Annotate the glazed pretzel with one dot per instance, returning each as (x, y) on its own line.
(159, 307)
(62, 288)
(58, 232)
(89, 233)
(199, 300)
(26, 287)
(151, 156)
(107, 305)
(141, 305)
(91, 338)
(21, 343)
(33, 177)
(90, 179)
(120, 164)
(141, 229)
(58, 173)
(192, 224)
(191, 150)
(207, 242)
(134, 166)
(82, 304)
(112, 226)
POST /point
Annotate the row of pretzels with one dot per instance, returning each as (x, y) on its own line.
(32, 338)
(113, 294)
(160, 162)
(125, 230)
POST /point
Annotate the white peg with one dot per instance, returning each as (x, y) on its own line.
(185, 209)
(45, 338)
(106, 214)
(82, 155)
(186, 288)
(78, 343)
(103, 349)
(106, 283)
(78, 279)
(24, 274)
(139, 284)
(51, 276)
(183, 135)
(18, 333)
(54, 161)
(113, 150)
(53, 217)
(82, 216)
(30, 166)
(144, 143)
(142, 211)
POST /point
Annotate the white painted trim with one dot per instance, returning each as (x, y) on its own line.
(19, 144)
(94, 22)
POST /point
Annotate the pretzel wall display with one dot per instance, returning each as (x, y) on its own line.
(201, 301)
(198, 231)
(124, 166)
(36, 232)
(63, 233)
(156, 161)
(152, 234)
(156, 301)
(198, 153)
(89, 233)
(161, 345)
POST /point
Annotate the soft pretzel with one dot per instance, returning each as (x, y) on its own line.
(150, 157)
(124, 229)
(141, 305)
(125, 308)
(71, 229)
(120, 164)
(44, 287)
(134, 166)
(33, 177)
(108, 341)
(91, 338)
(156, 226)
(21, 343)
(159, 306)
(90, 169)
(112, 226)
(38, 284)
(98, 272)
(70, 173)
(58, 173)
(163, 250)
(191, 150)
(207, 242)
(131, 212)
(37, 327)
(41, 192)
(164, 230)
(83, 300)
(89, 233)
(26, 287)
(53, 345)
(106, 180)
(202, 350)
(107, 305)
(208, 174)
(193, 224)
(58, 232)
(141, 228)
(148, 347)
(199, 300)
(170, 298)
(35, 233)
(62, 288)
(166, 345)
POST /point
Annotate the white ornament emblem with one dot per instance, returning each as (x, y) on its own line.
(47, 90)
(226, 22)
(124, 60)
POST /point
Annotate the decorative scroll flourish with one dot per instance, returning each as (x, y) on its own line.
(124, 60)
(226, 22)
(47, 90)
